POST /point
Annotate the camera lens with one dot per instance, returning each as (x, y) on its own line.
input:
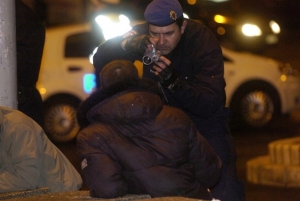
(147, 60)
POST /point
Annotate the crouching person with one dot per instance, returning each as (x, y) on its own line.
(133, 144)
(29, 160)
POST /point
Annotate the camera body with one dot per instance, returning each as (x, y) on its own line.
(150, 56)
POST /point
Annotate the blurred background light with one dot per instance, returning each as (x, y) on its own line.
(42, 90)
(283, 78)
(113, 27)
(185, 16)
(92, 55)
(275, 27)
(220, 19)
(192, 2)
(251, 30)
(221, 31)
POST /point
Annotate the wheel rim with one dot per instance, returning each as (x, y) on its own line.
(61, 123)
(257, 108)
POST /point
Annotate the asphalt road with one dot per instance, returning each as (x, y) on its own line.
(251, 144)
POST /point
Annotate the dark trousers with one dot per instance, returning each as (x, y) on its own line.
(218, 134)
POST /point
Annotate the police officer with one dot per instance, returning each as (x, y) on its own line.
(190, 73)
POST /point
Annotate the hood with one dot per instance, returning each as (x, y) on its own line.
(127, 107)
(123, 102)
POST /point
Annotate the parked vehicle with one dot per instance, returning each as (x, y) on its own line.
(258, 88)
(66, 78)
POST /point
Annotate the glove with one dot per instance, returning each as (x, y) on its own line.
(137, 43)
(167, 76)
(169, 79)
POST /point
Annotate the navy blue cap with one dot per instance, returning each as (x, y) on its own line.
(163, 12)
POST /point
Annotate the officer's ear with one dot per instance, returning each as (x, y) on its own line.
(184, 23)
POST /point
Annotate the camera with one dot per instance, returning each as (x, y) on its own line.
(150, 57)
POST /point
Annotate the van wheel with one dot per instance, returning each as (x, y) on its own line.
(255, 105)
(60, 121)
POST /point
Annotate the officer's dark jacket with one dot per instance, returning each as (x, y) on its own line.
(198, 61)
(132, 143)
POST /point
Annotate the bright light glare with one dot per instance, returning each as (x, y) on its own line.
(92, 55)
(220, 19)
(124, 20)
(102, 20)
(251, 30)
(185, 16)
(275, 27)
(112, 28)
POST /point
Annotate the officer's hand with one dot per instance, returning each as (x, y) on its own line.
(164, 71)
(137, 43)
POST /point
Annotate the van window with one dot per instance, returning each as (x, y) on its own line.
(81, 44)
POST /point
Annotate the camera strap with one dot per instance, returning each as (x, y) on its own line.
(162, 90)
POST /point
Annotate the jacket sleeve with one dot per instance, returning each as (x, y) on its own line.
(111, 50)
(108, 51)
(208, 165)
(101, 172)
(203, 74)
(22, 161)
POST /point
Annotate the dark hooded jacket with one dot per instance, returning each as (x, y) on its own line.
(132, 143)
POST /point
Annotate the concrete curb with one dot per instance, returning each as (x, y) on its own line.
(42, 195)
(280, 168)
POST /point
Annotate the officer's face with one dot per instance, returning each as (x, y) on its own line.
(167, 37)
